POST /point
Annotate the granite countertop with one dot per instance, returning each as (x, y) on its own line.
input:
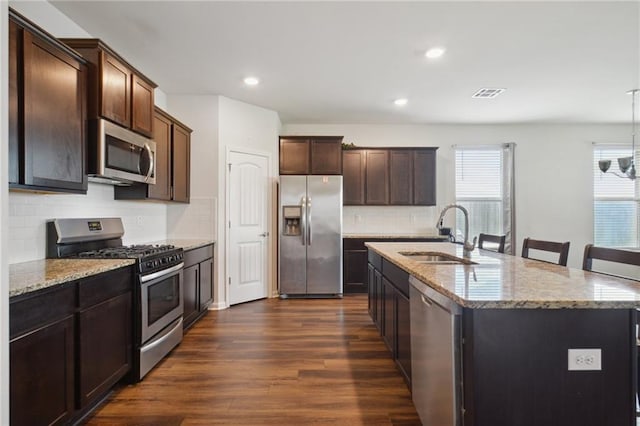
(39, 274)
(186, 244)
(504, 281)
(390, 236)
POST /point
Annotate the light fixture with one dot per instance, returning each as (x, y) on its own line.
(627, 165)
(251, 81)
(435, 52)
(400, 102)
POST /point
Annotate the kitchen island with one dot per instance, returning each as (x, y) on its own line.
(493, 339)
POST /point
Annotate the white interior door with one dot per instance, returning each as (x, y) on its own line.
(248, 225)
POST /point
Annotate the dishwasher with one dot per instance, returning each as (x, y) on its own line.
(436, 378)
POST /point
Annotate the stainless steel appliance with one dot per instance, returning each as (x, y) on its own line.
(158, 295)
(119, 156)
(310, 236)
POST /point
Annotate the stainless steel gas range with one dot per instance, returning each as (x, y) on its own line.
(158, 300)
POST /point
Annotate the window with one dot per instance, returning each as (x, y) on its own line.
(484, 187)
(615, 202)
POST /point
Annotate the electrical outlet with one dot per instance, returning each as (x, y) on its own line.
(585, 359)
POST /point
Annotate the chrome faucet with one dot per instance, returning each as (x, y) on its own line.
(467, 247)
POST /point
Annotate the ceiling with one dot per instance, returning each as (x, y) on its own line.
(346, 62)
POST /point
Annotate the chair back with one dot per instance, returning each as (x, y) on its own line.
(551, 246)
(495, 239)
(592, 252)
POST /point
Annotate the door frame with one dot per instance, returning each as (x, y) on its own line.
(227, 217)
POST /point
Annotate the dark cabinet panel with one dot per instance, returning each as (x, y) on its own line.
(190, 291)
(47, 111)
(400, 177)
(377, 177)
(372, 302)
(326, 156)
(141, 106)
(378, 290)
(389, 316)
(424, 170)
(355, 271)
(353, 176)
(181, 163)
(206, 283)
(105, 346)
(311, 155)
(294, 157)
(116, 90)
(403, 336)
(42, 375)
(162, 137)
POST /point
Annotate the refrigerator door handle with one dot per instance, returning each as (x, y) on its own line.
(309, 221)
(304, 221)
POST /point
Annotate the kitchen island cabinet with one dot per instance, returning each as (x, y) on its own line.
(490, 339)
(47, 111)
(70, 341)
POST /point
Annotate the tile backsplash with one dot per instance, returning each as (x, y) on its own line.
(28, 213)
(389, 219)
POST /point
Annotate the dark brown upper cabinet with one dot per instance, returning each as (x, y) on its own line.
(47, 111)
(173, 164)
(389, 176)
(311, 155)
(117, 91)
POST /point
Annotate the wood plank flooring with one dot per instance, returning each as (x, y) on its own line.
(272, 362)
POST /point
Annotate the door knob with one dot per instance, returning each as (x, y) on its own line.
(264, 234)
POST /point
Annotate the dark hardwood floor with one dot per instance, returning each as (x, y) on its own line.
(280, 362)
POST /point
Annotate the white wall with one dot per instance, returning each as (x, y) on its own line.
(4, 220)
(554, 198)
(249, 127)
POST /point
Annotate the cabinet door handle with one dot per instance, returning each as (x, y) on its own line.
(426, 300)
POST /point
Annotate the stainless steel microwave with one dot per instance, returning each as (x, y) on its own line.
(119, 156)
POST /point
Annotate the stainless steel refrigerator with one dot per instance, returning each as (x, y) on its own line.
(310, 236)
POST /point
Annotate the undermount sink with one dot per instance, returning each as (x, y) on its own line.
(435, 257)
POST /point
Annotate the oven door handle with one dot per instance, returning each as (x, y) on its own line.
(159, 274)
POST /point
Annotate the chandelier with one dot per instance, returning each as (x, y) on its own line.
(626, 164)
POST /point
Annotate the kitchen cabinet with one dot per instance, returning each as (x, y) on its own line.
(389, 295)
(385, 176)
(198, 283)
(117, 91)
(354, 260)
(173, 164)
(311, 155)
(47, 111)
(69, 344)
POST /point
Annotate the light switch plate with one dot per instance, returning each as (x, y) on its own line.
(585, 359)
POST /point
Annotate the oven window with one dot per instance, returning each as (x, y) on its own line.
(163, 297)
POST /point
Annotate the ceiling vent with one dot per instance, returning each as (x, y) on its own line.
(486, 93)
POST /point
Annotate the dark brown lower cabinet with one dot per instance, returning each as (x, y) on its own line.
(69, 344)
(42, 376)
(197, 283)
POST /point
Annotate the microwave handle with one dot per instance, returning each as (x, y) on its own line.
(151, 160)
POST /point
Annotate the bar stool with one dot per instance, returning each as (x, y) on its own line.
(625, 257)
(493, 239)
(550, 246)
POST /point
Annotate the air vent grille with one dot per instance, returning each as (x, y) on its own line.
(487, 93)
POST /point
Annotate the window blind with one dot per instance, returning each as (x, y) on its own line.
(616, 202)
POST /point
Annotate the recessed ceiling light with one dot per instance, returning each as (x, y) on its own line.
(401, 101)
(487, 93)
(435, 52)
(251, 81)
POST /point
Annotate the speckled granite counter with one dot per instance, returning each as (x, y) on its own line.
(390, 236)
(39, 274)
(186, 244)
(503, 281)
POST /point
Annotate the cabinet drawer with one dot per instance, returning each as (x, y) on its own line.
(41, 307)
(375, 259)
(397, 276)
(353, 244)
(198, 255)
(104, 286)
